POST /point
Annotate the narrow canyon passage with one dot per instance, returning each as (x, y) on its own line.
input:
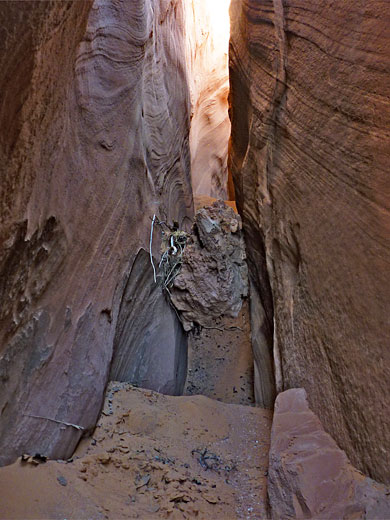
(151, 455)
(194, 250)
(220, 360)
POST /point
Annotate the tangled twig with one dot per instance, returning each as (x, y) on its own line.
(211, 461)
(172, 248)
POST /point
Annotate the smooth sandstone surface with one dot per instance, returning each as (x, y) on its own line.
(309, 476)
(310, 157)
(94, 140)
(150, 345)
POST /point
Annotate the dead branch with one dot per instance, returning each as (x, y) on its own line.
(76, 426)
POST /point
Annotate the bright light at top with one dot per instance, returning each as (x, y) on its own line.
(218, 11)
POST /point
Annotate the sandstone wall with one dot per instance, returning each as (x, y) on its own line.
(310, 159)
(150, 342)
(309, 476)
(94, 140)
(207, 43)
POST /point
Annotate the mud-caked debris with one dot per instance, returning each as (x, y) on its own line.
(33, 459)
(213, 279)
(211, 461)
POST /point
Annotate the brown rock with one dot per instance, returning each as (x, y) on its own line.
(213, 278)
(211, 499)
(309, 476)
(178, 496)
(171, 476)
(310, 158)
(94, 141)
(143, 481)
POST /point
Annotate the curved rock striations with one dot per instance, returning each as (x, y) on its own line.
(310, 154)
(94, 141)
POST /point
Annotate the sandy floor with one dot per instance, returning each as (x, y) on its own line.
(151, 456)
(220, 361)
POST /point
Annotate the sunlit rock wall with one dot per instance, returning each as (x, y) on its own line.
(94, 139)
(310, 159)
(207, 40)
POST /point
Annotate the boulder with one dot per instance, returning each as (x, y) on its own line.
(213, 278)
(309, 476)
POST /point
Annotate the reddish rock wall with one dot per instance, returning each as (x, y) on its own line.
(310, 158)
(94, 141)
(309, 476)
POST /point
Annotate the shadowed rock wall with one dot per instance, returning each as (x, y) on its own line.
(150, 346)
(93, 141)
(310, 159)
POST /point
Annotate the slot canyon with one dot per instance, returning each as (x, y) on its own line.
(194, 259)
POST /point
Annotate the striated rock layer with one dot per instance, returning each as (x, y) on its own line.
(310, 158)
(94, 141)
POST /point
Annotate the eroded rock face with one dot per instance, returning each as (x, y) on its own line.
(214, 276)
(309, 476)
(94, 140)
(310, 158)
(207, 40)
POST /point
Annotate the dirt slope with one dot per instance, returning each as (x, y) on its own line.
(147, 459)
